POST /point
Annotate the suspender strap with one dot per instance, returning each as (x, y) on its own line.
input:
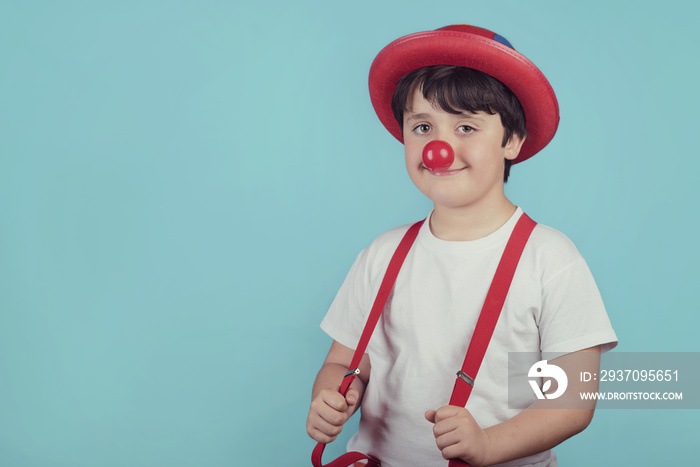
(380, 301)
(493, 304)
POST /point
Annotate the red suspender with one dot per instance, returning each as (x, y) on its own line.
(493, 304)
(382, 295)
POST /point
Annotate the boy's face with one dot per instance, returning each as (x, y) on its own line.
(476, 176)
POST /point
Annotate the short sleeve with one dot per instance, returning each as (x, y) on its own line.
(348, 312)
(573, 315)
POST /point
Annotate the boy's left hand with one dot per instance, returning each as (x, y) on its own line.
(458, 435)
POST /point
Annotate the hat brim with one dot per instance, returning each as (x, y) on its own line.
(447, 47)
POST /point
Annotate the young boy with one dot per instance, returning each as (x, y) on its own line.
(468, 87)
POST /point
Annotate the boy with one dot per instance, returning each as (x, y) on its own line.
(465, 86)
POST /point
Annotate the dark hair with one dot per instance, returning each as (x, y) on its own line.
(456, 89)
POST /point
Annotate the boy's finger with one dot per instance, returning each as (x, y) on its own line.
(335, 401)
(430, 416)
(352, 397)
(445, 412)
(328, 428)
(332, 416)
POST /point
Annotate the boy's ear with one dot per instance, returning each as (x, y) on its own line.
(513, 146)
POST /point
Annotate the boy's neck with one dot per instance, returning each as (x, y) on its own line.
(471, 222)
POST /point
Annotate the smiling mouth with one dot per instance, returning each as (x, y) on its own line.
(444, 173)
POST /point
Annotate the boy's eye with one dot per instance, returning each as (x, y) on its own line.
(422, 129)
(466, 129)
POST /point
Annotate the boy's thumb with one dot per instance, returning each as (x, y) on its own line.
(351, 397)
(430, 416)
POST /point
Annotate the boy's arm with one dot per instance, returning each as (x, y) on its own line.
(541, 426)
(329, 409)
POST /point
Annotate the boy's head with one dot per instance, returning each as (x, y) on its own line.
(483, 73)
(456, 89)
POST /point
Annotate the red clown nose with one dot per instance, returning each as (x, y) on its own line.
(438, 156)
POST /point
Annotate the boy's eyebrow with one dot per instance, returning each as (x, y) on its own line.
(416, 117)
(422, 116)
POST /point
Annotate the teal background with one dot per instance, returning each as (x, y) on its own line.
(183, 186)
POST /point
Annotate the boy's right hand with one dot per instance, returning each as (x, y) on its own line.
(329, 411)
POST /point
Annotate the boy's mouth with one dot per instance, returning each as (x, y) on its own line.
(444, 173)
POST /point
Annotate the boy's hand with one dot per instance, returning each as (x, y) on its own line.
(458, 435)
(329, 411)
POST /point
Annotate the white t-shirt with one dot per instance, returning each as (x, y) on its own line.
(553, 305)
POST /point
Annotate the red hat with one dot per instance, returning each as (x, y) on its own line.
(472, 47)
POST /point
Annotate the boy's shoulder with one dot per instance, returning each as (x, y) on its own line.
(391, 237)
(376, 256)
(551, 241)
(552, 252)
(386, 242)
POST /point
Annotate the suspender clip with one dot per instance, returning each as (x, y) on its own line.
(356, 372)
(466, 378)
